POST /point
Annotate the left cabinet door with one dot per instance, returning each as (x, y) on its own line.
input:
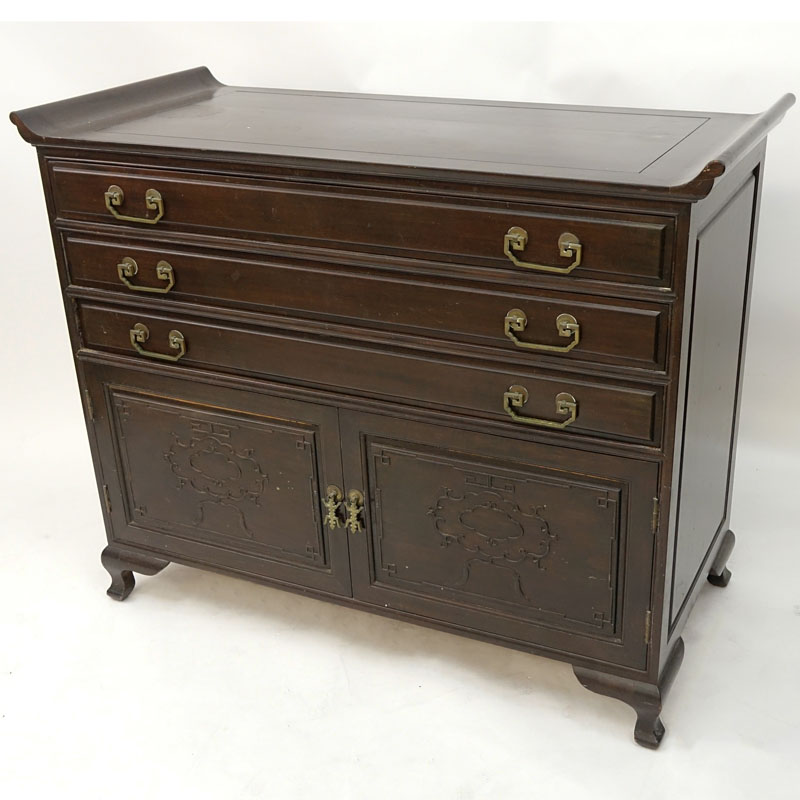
(218, 476)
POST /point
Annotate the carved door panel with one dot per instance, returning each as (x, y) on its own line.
(219, 476)
(533, 543)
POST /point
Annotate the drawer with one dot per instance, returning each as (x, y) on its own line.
(518, 398)
(540, 323)
(570, 243)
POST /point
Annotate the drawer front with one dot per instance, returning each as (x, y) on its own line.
(219, 476)
(518, 397)
(622, 333)
(533, 543)
(634, 248)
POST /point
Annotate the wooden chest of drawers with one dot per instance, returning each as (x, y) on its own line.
(474, 365)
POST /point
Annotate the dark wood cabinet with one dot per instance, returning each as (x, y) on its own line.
(473, 365)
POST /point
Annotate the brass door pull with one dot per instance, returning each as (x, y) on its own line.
(335, 504)
(140, 334)
(354, 507)
(127, 268)
(517, 396)
(332, 504)
(115, 197)
(569, 246)
(516, 321)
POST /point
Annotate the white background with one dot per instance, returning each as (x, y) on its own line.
(208, 687)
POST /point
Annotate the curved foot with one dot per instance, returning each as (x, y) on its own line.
(720, 580)
(121, 564)
(646, 699)
(649, 730)
(719, 574)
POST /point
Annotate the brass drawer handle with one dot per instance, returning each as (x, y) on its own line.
(354, 506)
(115, 197)
(332, 503)
(516, 321)
(569, 246)
(140, 334)
(517, 396)
(127, 268)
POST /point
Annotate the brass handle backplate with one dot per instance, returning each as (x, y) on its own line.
(569, 246)
(127, 268)
(115, 197)
(332, 504)
(140, 334)
(517, 396)
(516, 321)
(354, 508)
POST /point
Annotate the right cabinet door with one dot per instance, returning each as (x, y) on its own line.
(534, 544)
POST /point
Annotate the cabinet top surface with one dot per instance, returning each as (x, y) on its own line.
(191, 111)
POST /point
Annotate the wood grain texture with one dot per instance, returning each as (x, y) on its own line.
(622, 332)
(721, 275)
(665, 152)
(435, 228)
(606, 409)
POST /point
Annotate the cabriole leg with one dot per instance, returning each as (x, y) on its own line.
(646, 699)
(122, 563)
(719, 574)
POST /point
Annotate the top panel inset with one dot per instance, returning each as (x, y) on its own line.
(677, 153)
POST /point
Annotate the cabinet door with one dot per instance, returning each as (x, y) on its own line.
(533, 544)
(219, 476)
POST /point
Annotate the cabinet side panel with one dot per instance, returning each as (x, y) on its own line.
(717, 320)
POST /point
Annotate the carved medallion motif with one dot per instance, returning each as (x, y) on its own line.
(206, 461)
(493, 528)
